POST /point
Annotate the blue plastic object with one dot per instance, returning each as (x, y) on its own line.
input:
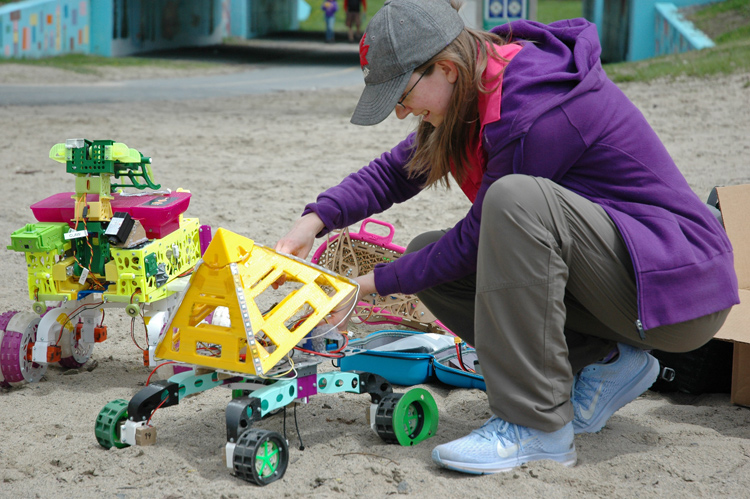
(409, 358)
(447, 369)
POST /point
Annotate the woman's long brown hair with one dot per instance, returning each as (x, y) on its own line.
(437, 148)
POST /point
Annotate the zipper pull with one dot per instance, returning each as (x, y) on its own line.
(639, 327)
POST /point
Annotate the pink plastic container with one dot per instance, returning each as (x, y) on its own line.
(158, 213)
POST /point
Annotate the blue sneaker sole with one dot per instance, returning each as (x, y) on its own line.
(567, 459)
(627, 394)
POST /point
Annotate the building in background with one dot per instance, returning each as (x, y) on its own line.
(629, 29)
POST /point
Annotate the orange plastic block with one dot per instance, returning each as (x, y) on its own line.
(100, 334)
(54, 353)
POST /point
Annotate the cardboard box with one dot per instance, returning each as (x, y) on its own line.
(734, 202)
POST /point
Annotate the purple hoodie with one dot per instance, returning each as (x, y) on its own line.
(331, 8)
(564, 120)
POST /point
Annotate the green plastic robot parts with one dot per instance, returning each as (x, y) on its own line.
(95, 248)
(99, 248)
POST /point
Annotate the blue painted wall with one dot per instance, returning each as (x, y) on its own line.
(253, 18)
(642, 39)
(41, 28)
(123, 27)
(628, 28)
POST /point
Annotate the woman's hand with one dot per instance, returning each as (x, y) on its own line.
(341, 314)
(299, 240)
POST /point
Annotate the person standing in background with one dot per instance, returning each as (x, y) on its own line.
(330, 7)
(354, 9)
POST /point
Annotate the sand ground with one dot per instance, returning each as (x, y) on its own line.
(251, 164)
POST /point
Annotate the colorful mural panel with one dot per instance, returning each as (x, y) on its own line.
(43, 28)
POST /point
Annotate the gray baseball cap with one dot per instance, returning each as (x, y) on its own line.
(401, 36)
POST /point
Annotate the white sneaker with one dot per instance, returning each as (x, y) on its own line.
(501, 446)
(602, 389)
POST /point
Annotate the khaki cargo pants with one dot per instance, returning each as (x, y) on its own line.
(554, 291)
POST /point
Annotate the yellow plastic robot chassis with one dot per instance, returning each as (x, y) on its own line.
(233, 273)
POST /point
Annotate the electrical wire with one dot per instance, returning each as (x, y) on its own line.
(282, 375)
(215, 351)
(96, 283)
(148, 380)
(296, 427)
(132, 335)
(148, 423)
(333, 354)
(461, 359)
(73, 314)
(187, 272)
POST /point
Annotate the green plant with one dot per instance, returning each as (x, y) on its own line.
(555, 10)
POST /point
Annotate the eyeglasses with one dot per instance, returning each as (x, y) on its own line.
(401, 102)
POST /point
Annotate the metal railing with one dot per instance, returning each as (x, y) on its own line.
(674, 34)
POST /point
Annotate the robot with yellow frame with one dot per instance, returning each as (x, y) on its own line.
(94, 249)
(97, 249)
(253, 352)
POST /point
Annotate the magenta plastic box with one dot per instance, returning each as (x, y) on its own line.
(158, 213)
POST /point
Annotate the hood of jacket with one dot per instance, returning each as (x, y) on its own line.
(566, 58)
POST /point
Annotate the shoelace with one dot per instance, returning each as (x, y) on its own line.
(583, 389)
(496, 427)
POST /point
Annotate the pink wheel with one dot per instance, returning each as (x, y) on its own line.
(70, 363)
(5, 318)
(75, 352)
(20, 332)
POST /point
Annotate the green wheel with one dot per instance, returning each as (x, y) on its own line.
(260, 456)
(407, 418)
(107, 428)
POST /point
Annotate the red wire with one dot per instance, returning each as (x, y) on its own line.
(148, 380)
(148, 423)
(132, 335)
(70, 316)
(461, 359)
(334, 354)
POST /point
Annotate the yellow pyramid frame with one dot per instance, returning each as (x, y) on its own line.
(233, 272)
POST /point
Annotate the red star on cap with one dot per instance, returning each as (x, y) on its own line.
(363, 51)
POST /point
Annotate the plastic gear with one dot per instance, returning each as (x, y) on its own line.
(260, 456)
(107, 427)
(407, 418)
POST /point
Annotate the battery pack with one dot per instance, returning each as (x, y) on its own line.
(119, 228)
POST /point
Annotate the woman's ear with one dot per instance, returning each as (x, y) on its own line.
(449, 70)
